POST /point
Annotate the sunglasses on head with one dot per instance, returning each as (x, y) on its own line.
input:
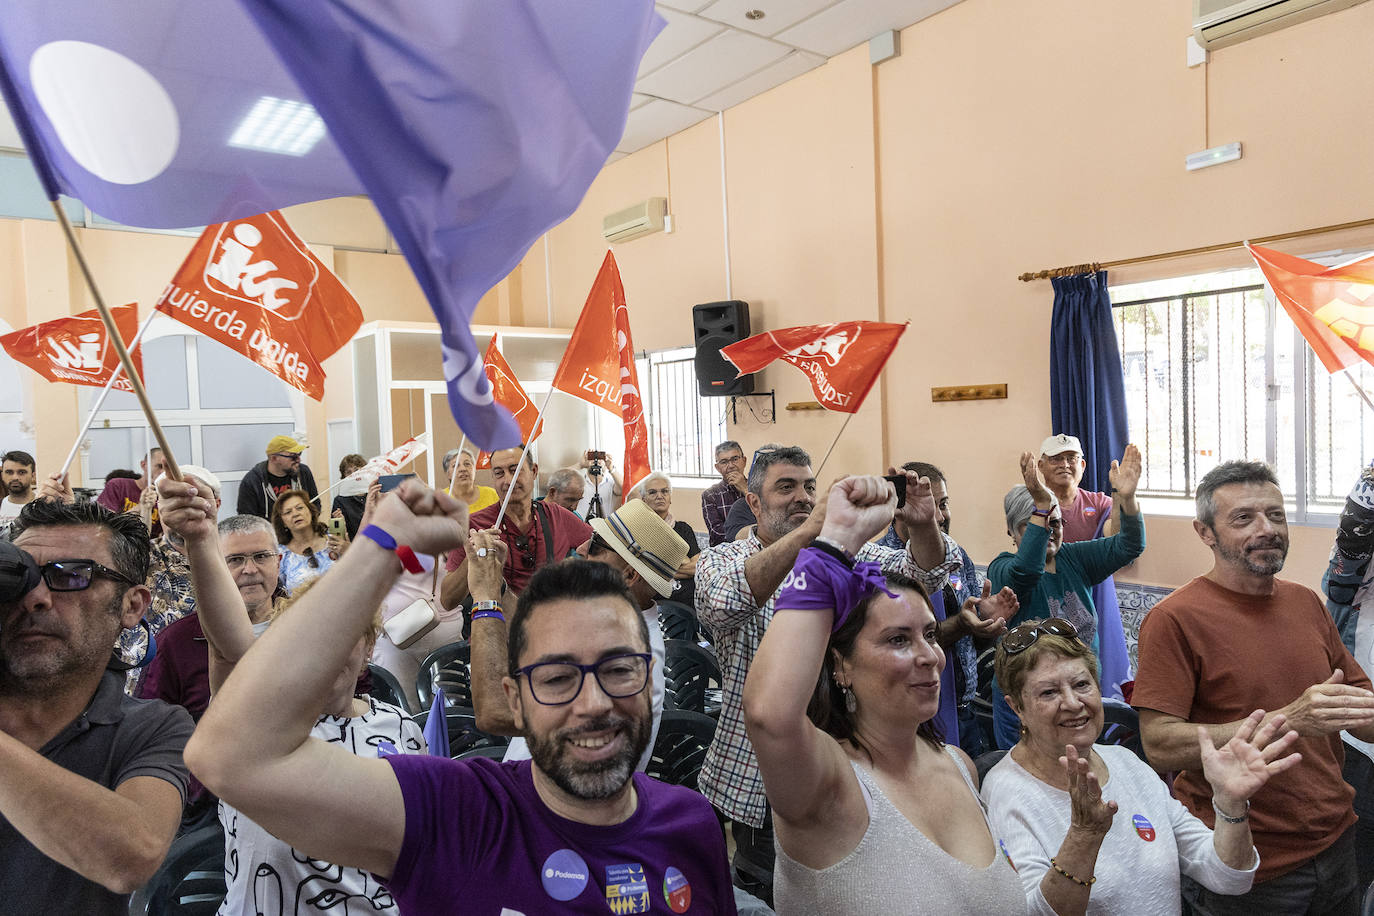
(77, 575)
(1022, 637)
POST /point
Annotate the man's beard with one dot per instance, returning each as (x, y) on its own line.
(782, 524)
(17, 487)
(591, 781)
(43, 667)
(1241, 557)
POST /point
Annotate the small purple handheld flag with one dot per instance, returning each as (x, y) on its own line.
(474, 126)
(436, 725)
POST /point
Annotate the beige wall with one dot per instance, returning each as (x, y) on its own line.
(1007, 137)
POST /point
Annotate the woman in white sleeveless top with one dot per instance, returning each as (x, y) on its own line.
(873, 812)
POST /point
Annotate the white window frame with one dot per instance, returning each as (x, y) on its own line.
(647, 364)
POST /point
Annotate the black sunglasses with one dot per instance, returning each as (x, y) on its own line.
(77, 575)
(310, 559)
(1022, 637)
(522, 544)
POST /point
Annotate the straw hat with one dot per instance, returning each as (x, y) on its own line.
(645, 541)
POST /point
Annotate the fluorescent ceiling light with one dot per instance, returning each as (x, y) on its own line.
(279, 126)
(1214, 156)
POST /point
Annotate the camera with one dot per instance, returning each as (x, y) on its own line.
(595, 458)
(18, 573)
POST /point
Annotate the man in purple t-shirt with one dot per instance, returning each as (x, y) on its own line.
(573, 830)
(1087, 514)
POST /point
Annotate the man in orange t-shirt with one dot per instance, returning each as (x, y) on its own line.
(1236, 640)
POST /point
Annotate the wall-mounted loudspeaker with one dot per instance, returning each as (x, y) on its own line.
(716, 325)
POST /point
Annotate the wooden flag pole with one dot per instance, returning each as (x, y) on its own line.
(847, 418)
(1358, 387)
(453, 471)
(173, 470)
(521, 463)
(104, 392)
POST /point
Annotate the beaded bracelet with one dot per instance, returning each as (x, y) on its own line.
(1076, 880)
(1228, 818)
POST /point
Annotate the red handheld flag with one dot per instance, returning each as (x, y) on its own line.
(1332, 306)
(841, 360)
(599, 366)
(255, 287)
(76, 349)
(510, 394)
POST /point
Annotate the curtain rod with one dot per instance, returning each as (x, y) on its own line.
(1206, 249)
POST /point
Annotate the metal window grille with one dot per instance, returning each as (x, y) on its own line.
(683, 427)
(1213, 375)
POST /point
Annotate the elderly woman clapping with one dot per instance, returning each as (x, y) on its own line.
(1091, 828)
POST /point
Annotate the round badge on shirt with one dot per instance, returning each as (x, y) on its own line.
(564, 875)
(1144, 828)
(676, 890)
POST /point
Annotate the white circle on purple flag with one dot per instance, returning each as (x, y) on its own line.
(113, 116)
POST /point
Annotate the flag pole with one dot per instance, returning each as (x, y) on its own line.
(1360, 388)
(104, 392)
(173, 470)
(453, 471)
(847, 418)
(534, 431)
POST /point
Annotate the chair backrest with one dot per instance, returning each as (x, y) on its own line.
(446, 667)
(463, 733)
(387, 688)
(683, 738)
(494, 751)
(677, 621)
(689, 672)
(985, 762)
(1121, 725)
(191, 879)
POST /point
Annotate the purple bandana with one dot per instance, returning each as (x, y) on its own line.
(818, 581)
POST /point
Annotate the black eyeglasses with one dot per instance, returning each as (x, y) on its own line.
(311, 560)
(77, 575)
(288, 455)
(559, 683)
(1022, 637)
(522, 544)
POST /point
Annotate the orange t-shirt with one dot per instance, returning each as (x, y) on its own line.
(1210, 655)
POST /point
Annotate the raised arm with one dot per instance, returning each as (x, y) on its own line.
(489, 660)
(253, 747)
(804, 770)
(224, 619)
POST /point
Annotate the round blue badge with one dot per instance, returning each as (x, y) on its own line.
(1144, 828)
(564, 875)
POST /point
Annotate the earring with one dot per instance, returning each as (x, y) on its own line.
(849, 702)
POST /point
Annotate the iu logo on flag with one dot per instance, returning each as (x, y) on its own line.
(256, 261)
(78, 352)
(830, 348)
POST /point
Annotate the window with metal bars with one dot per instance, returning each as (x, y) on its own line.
(1215, 370)
(683, 427)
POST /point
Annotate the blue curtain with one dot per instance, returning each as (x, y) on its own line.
(1087, 391)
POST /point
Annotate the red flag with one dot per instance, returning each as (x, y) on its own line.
(599, 366)
(510, 394)
(1330, 305)
(77, 349)
(841, 360)
(254, 286)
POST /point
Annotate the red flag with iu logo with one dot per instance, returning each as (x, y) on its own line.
(510, 394)
(1332, 306)
(841, 360)
(255, 287)
(599, 366)
(76, 349)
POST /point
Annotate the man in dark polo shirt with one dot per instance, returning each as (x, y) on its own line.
(537, 533)
(91, 781)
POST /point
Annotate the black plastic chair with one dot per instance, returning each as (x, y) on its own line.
(691, 678)
(677, 621)
(1367, 907)
(463, 733)
(1121, 725)
(683, 738)
(985, 762)
(446, 667)
(494, 751)
(981, 704)
(191, 879)
(387, 688)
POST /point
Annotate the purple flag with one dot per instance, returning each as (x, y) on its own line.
(436, 725)
(474, 126)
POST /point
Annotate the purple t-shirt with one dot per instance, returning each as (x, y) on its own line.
(479, 840)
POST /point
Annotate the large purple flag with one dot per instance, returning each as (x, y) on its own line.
(474, 125)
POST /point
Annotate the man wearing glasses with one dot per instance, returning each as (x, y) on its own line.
(573, 830)
(91, 781)
(717, 499)
(281, 472)
(1087, 514)
(180, 673)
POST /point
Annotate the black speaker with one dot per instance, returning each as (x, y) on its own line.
(716, 325)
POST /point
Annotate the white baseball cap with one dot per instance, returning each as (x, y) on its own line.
(1057, 445)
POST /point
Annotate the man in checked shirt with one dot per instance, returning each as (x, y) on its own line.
(736, 584)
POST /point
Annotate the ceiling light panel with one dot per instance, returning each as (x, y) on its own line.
(283, 126)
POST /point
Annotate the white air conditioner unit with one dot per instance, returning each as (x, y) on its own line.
(632, 222)
(1218, 23)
